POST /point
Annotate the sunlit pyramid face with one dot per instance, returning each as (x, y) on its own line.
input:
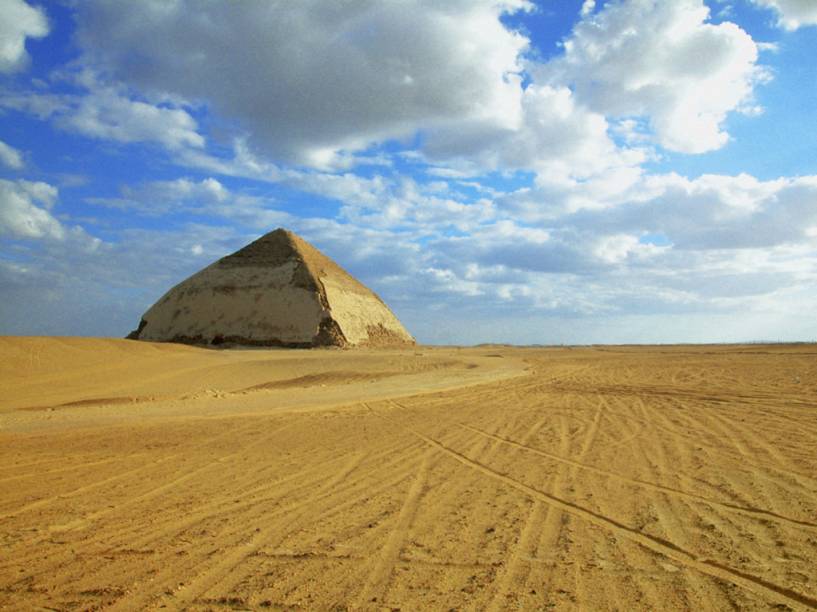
(276, 291)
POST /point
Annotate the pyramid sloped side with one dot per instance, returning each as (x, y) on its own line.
(362, 316)
(249, 304)
(320, 266)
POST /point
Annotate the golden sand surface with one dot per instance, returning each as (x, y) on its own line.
(142, 476)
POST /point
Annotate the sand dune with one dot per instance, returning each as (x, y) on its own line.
(137, 475)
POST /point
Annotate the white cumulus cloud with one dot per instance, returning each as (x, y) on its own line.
(558, 137)
(205, 191)
(309, 80)
(25, 210)
(792, 14)
(105, 114)
(18, 21)
(187, 196)
(10, 157)
(663, 61)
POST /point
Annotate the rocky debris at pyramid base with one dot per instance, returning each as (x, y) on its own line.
(278, 291)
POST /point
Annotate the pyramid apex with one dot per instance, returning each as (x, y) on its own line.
(272, 249)
(280, 231)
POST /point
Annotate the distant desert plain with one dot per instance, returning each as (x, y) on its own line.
(138, 475)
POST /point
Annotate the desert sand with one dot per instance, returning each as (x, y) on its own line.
(137, 475)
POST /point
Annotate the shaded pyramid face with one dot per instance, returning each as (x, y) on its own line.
(276, 291)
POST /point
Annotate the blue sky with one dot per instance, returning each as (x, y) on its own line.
(497, 170)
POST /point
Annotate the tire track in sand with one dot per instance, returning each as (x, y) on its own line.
(87, 520)
(531, 529)
(713, 568)
(224, 570)
(380, 574)
(539, 513)
(749, 511)
(321, 495)
(124, 474)
(321, 505)
(136, 537)
(59, 470)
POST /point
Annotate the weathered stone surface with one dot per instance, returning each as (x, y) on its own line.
(276, 291)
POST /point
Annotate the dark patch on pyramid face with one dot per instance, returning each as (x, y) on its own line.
(273, 249)
(276, 291)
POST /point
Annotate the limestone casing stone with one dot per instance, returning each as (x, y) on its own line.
(276, 291)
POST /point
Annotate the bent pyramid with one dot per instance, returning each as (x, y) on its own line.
(276, 291)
